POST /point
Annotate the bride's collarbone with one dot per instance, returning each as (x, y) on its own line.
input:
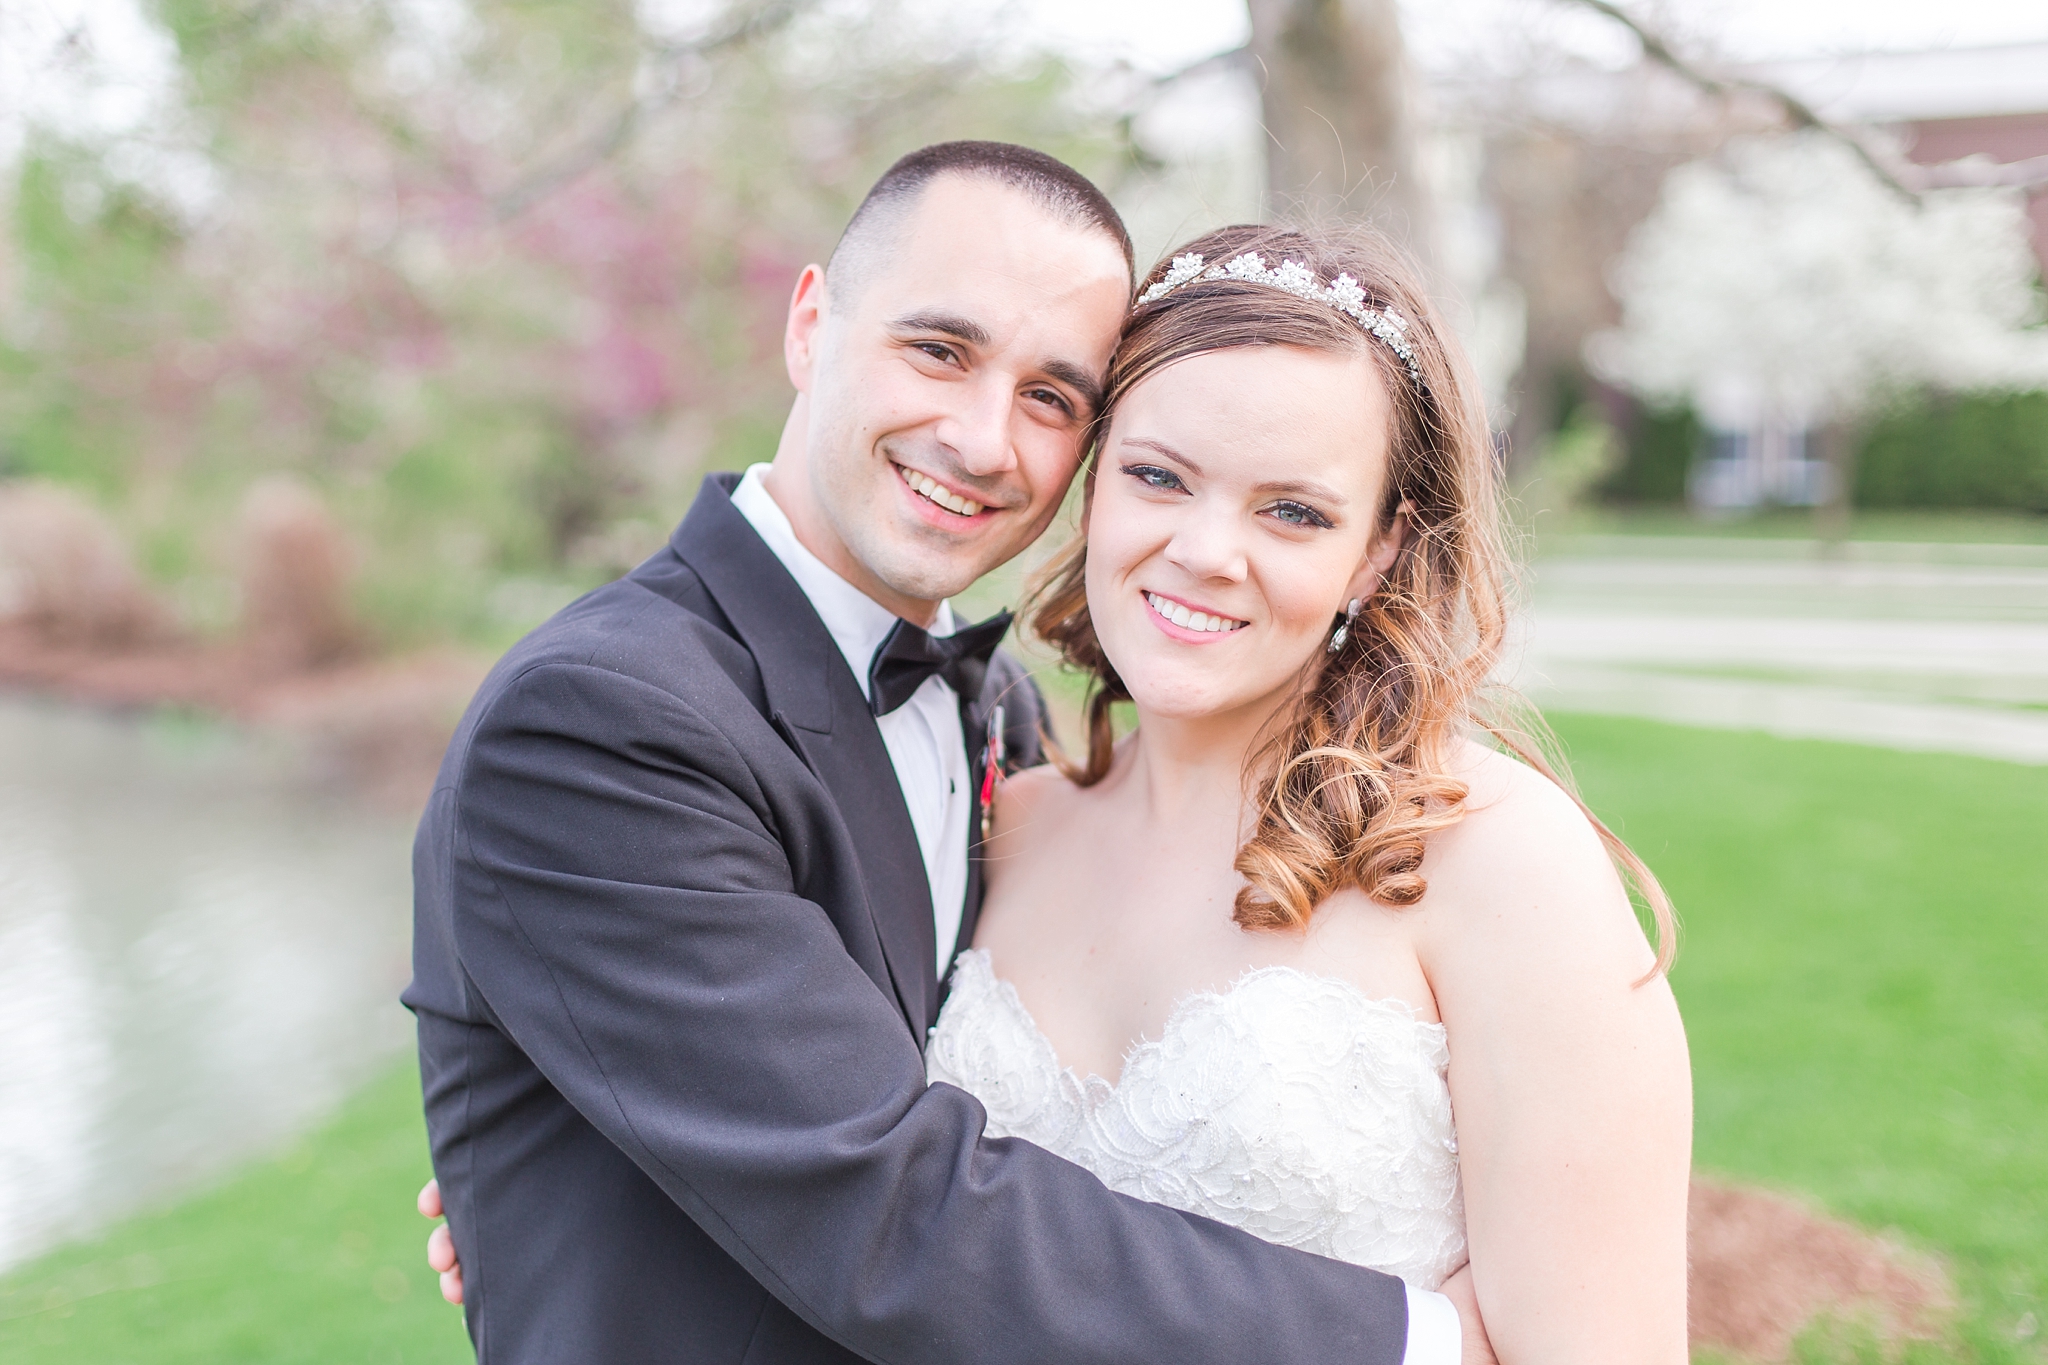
(1104, 928)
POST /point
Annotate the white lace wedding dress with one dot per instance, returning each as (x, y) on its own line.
(1292, 1106)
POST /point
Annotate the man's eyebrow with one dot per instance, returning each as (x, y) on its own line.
(1077, 378)
(945, 324)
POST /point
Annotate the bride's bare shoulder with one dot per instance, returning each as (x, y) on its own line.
(1524, 859)
(1503, 791)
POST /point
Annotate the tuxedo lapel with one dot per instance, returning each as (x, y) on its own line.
(818, 707)
(899, 895)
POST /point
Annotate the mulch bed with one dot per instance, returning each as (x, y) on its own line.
(1765, 1266)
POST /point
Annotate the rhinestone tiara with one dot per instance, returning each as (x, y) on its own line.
(1342, 294)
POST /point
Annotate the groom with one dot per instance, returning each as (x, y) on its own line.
(699, 855)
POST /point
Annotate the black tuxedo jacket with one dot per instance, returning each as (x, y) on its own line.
(673, 969)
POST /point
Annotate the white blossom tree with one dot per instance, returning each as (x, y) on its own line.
(1783, 284)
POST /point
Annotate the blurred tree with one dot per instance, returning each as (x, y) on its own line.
(1576, 156)
(1334, 90)
(1782, 284)
(1566, 201)
(500, 280)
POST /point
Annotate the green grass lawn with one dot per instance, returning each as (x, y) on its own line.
(316, 1256)
(1862, 977)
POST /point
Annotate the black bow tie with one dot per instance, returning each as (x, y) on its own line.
(909, 654)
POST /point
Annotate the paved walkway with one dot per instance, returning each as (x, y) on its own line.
(1930, 647)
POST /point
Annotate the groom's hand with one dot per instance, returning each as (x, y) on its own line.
(441, 1246)
(1458, 1289)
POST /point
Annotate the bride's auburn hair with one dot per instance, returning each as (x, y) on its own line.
(1355, 775)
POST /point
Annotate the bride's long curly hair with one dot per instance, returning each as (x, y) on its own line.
(1353, 778)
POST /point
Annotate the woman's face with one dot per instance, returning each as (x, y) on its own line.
(1232, 519)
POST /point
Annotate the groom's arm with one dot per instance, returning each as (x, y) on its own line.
(625, 905)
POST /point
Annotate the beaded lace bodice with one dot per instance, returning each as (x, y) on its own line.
(1292, 1106)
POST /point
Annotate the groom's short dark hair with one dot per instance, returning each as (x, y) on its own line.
(1057, 187)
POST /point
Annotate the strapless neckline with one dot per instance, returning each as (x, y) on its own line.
(1189, 1004)
(1291, 1105)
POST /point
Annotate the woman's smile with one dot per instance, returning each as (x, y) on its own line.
(1189, 622)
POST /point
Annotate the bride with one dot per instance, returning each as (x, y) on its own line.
(1300, 953)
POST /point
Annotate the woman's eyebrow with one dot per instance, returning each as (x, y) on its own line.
(1306, 488)
(1165, 452)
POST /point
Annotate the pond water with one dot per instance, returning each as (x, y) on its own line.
(199, 956)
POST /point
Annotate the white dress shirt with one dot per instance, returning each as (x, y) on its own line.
(1434, 1334)
(929, 753)
(926, 745)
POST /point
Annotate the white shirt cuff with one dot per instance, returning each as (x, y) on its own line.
(1435, 1336)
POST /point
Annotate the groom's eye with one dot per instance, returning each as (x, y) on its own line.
(1052, 398)
(1152, 476)
(937, 351)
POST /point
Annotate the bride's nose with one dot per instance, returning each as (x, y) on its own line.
(1208, 544)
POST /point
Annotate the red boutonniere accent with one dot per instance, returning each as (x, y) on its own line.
(991, 770)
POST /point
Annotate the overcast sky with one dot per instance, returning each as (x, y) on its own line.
(123, 83)
(1165, 34)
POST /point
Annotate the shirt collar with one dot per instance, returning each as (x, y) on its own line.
(857, 623)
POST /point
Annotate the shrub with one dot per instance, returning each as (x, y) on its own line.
(1957, 450)
(1658, 450)
(65, 572)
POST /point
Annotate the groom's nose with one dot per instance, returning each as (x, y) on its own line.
(977, 430)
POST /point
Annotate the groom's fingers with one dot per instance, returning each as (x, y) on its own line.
(441, 1244)
(441, 1251)
(441, 1256)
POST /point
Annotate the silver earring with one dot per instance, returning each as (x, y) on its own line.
(1343, 630)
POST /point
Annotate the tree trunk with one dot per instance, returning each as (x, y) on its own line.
(1838, 440)
(1340, 132)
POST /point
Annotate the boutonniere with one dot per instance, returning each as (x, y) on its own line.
(991, 769)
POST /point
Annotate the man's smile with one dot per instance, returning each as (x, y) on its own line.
(936, 493)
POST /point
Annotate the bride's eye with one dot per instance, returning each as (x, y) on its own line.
(1299, 514)
(1152, 476)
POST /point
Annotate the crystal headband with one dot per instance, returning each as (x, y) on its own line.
(1342, 294)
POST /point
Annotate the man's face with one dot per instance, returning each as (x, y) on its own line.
(945, 402)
